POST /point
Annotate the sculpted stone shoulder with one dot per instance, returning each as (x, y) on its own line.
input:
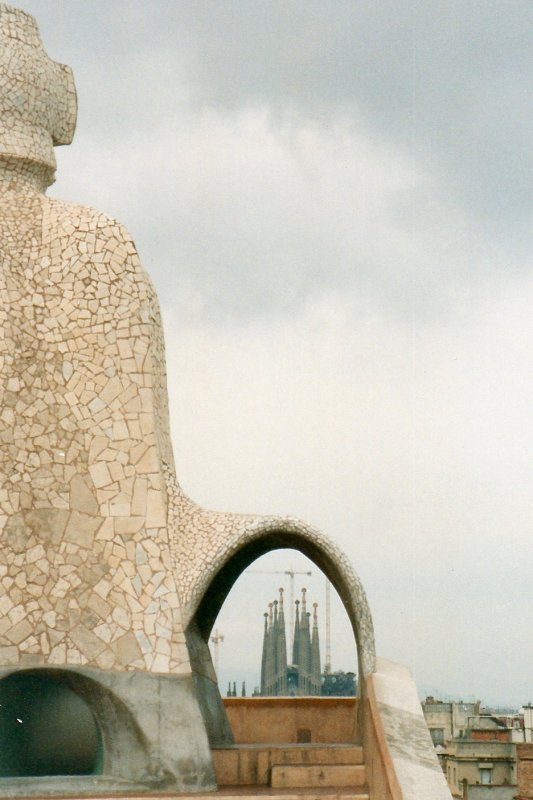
(98, 266)
(83, 422)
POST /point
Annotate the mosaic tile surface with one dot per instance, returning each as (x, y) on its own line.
(103, 559)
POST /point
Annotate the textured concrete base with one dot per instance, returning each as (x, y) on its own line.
(153, 736)
(66, 786)
(214, 714)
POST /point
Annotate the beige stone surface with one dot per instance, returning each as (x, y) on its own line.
(81, 448)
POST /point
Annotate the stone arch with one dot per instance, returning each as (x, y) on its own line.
(287, 533)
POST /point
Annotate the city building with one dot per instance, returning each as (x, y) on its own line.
(477, 751)
(447, 720)
(483, 755)
(524, 768)
(527, 712)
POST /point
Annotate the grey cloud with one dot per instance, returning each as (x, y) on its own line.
(441, 86)
(447, 80)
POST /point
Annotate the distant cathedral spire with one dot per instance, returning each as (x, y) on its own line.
(303, 676)
(305, 647)
(315, 651)
(296, 642)
(281, 648)
(264, 656)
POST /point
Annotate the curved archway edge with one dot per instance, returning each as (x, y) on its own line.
(288, 533)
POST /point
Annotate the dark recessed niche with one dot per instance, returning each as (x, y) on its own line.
(46, 728)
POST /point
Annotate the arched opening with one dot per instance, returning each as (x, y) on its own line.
(46, 728)
(294, 536)
(229, 564)
(262, 645)
(284, 681)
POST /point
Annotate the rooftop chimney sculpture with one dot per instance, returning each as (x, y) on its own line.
(110, 577)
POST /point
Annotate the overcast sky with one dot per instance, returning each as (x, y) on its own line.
(333, 200)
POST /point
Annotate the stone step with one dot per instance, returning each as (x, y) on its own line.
(295, 794)
(266, 793)
(233, 793)
(317, 775)
(244, 765)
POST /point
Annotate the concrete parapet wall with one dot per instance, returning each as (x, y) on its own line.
(261, 720)
(399, 754)
(491, 792)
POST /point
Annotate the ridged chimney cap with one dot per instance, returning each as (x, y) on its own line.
(37, 95)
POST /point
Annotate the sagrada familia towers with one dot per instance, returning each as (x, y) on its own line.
(303, 675)
(110, 576)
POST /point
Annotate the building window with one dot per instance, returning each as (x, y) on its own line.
(437, 735)
(485, 775)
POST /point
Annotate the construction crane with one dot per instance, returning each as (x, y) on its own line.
(216, 638)
(291, 573)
